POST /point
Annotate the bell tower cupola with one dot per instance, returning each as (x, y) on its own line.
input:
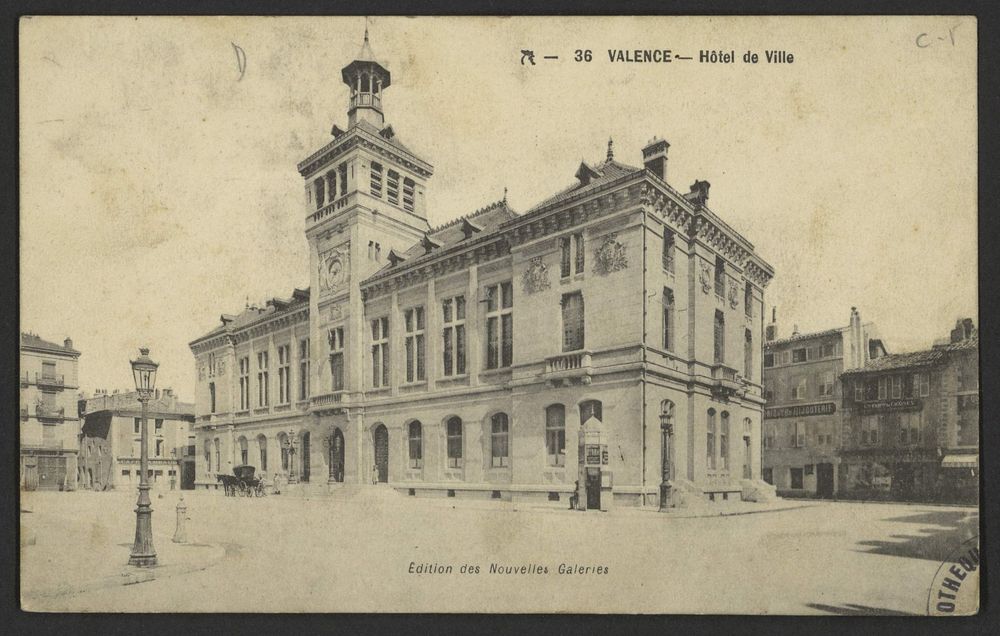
(367, 78)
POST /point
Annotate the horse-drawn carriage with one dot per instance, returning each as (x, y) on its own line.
(242, 482)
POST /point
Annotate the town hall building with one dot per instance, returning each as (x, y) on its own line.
(601, 345)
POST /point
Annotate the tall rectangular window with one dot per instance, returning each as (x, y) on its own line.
(800, 435)
(376, 180)
(453, 335)
(710, 440)
(573, 321)
(392, 186)
(923, 383)
(720, 277)
(342, 173)
(748, 354)
(413, 320)
(859, 390)
(499, 325)
(748, 299)
(883, 387)
(211, 397)
(263, 388)
(284, 374)
(724, 441)
(408, 188)
(571, 255)
(826, 385)
(380, 352)
(720, 336)
(555, 434)
(49, 370)
(897, 386)
(331, 185)
(244, 383)
(799, 390)
(668, 250)
(499, 438)
(454, 433)
(668, 319)
(320, 190)
(303, 368)
(336, 341)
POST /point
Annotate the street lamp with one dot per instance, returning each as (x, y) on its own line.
(667, 432)
(143, 553)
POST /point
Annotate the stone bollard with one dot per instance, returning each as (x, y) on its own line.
(180, 536)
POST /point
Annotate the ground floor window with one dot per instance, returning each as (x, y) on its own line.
(768, 475)
(499, 433)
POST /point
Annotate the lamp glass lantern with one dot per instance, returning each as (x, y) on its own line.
(144, 372)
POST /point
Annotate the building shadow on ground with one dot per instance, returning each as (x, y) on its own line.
(853, 609)
(941, 532)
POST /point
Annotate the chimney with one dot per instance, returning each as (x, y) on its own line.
(771, 331)
(795, 330)
(654, 157)
(68, 343)
(859, 352)
(699, 192)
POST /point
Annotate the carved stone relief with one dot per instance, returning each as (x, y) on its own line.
(535, 277)
(610, 256)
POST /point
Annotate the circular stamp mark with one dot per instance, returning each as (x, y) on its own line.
(955, 587)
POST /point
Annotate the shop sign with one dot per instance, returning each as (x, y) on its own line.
(885, 406)
(800, 410)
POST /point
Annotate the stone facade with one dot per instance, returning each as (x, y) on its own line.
(911, 424)
(804, 403)
(49, 426)
(110, 441)
(463, 360)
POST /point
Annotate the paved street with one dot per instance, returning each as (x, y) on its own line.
(354, 554)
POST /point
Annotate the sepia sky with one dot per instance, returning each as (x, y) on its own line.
(159, 189)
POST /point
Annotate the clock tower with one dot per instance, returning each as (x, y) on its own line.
(364, 193)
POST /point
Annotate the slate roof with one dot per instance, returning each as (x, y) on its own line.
(914, 359)
(451, 235)
(35, 342)
(250, 315)
(606, 172)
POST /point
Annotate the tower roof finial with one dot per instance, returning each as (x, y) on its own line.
(366, 29)
(611, 149)
(505, 194)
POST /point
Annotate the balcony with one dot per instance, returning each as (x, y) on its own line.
(726, 381)
(330, 401)
(566, 368)
(50, 381)
(366, 99)
(50, 413)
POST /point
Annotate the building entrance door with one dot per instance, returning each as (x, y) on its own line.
(824, 480)
(593, 489)
(187, 476)
(51, 472)
(381, 439)
(305, 456)
(337, 456)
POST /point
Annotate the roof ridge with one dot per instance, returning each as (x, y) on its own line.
(488, 208)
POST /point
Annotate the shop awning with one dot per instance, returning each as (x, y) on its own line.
(960, 461)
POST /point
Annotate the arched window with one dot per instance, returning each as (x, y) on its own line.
(499, 438)
(454, 431)
(710, 439)
(555, 434)
(208, 456)
(724, 440)
(218, 455)
(244, 451)
(591, 408)
(262, 443)
(416, 445)
(283, 445)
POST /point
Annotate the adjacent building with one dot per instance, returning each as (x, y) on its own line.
(911, 423)
(111, 445)
(601, 342)
(803, 409)
(49, 424)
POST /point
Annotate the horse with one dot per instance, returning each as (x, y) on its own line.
(228, 484)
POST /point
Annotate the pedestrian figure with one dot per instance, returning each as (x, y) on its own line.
(277, 483)
(374, 474)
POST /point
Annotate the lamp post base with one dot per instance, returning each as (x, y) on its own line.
(666, 502)
(143, 553)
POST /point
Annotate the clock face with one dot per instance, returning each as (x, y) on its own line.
(332, 271)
